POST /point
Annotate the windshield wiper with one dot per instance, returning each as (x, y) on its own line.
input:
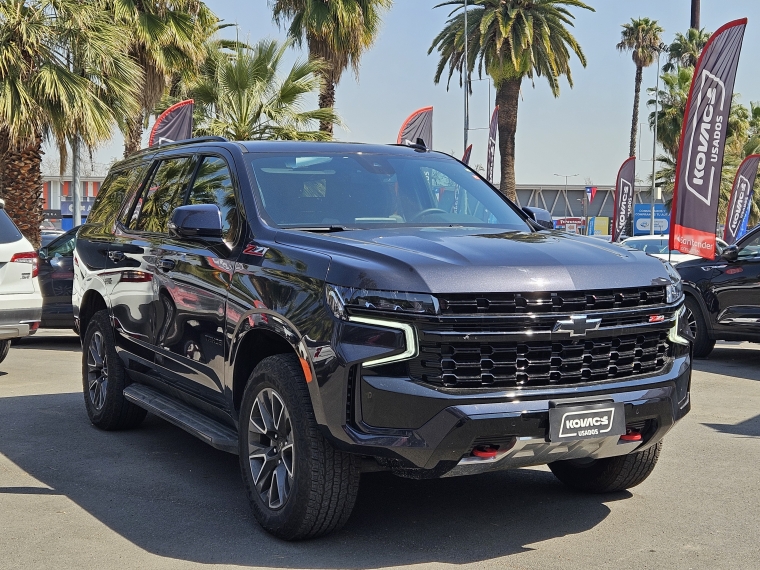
(321, 229)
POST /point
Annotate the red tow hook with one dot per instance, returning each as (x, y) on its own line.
(485, 451)
(631, 435)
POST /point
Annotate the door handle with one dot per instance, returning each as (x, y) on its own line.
(116, 255)
(166, 264)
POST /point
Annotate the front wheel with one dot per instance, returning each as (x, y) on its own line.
(298, 485)
(703, 344)
(5, 346)
(609, 474)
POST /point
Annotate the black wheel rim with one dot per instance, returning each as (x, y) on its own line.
(97, 370)
(691, 321)
(271, 450)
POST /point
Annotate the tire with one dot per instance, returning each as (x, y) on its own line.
(316, 494)
(104, 379)
(703, 344)
(5, 346)
(610, 474)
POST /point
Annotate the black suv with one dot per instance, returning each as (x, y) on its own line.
(723, 296)
(324, 309)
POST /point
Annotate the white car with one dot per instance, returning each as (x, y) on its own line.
(20, 297)
(657, 246)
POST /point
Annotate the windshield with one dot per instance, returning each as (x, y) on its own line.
(359, 190)
(651, 245)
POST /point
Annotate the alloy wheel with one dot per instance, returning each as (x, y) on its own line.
(691, 322)
(97, 370)
(271, 451)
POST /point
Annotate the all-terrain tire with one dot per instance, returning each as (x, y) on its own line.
(106, 405)
(323, 482)
(609, 474)
(703, 344)
(5, 346)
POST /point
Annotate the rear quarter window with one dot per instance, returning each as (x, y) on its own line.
(8, 230)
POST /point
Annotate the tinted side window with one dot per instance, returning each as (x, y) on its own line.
(8, 230)
(161, 195)
(63, 246)
(115, 188)
(213, 185)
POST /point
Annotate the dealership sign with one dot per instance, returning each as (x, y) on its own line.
(741, 199)
(642, 219)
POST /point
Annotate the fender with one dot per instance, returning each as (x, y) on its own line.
(690, 289)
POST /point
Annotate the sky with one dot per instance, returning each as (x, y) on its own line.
(585, 131)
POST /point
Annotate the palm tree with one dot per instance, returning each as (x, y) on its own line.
(42, 96)
(511, 40)
(165, 37)
(336, 31)
(685, 49)
(243, 98)
(643, 38)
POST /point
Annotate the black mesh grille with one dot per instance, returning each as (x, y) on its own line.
(539, 363)
(550, 302)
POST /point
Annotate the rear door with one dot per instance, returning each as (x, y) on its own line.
(15, 276)
(735, 288)
(194, 277)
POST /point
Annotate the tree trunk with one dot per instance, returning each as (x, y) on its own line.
(21, 187)
(635, 121)
(695, 14)
(326, 101)
(508, 98)
(133, 136)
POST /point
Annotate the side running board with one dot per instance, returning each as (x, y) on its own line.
(215, 433)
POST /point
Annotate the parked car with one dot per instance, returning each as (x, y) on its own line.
(56, 276)
(319, 310)
(723, 296)
(20, 299)
(658, 247)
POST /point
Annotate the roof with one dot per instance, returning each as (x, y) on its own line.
(332, 146)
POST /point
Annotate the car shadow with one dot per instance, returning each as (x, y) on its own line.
(58, 342)
(747, 428)
(176, 497)
(731, 360)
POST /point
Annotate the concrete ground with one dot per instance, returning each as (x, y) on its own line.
(72, 496)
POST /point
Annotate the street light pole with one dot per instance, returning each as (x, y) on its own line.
(660, 48)
(566, 176)
(466, 82)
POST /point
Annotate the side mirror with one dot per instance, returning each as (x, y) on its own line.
(542, 217)
(731, 253)
(196, 221)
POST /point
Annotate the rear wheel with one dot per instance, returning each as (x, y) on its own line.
(703, 344)
(298, 485)
(103, 379)
(609, 474)
(5, 346)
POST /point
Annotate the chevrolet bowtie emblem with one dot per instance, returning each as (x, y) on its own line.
(577, 325)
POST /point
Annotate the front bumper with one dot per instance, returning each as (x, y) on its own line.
(435, 429)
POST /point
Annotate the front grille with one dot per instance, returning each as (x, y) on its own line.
(461, 363)
(550, 302)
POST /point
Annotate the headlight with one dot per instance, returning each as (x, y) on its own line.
(340, 300)
(674, 291)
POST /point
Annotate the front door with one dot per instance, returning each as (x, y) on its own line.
(735, 289)
(56, 278)
(194, 278)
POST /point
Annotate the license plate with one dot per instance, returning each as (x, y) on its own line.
(586, 422)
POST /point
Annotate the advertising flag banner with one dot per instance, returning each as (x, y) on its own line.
(467, 155)
(741, 199)
(419, 125)
(492, 133)
(590, 193)
(703, 138)
(623, 208)
(174, 124)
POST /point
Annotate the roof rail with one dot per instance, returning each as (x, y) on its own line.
(175, 144)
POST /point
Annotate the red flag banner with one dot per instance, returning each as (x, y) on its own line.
(419, 125)
(703, 138)
(623, 203)
(492, 133)
(741, 198)
(467, 155)
(174, 124)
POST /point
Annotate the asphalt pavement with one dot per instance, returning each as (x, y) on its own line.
(74, 497)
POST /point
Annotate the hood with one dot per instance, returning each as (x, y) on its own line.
(455, 260)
